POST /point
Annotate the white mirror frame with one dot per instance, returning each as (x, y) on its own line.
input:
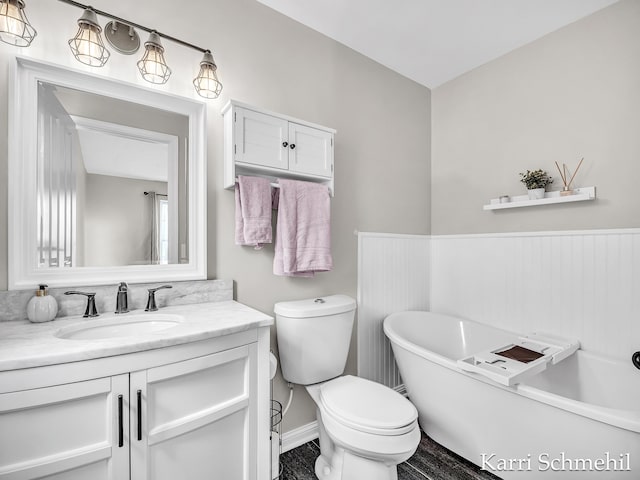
(23, 103)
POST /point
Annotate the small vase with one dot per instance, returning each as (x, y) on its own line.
(536, 193)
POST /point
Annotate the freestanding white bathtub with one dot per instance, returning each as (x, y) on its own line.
(579, 419)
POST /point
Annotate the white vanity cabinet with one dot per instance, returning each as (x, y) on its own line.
(191, 412)
(263, 143)
(67, 431)
(190, 419)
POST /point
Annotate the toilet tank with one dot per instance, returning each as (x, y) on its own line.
(314, 337)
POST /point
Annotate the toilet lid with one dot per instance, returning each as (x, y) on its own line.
(367, 406)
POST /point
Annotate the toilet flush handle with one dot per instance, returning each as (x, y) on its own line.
(319, 300)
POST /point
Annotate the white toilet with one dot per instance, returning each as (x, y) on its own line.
(365, 428)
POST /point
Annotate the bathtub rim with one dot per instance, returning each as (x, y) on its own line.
(625, 419)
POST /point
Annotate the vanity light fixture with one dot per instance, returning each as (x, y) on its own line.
(15, 28)
(123, 38)
(87, 45)
(153, 66)
(207, 83)
(88, 48)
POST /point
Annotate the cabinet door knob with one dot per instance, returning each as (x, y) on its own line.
(292, 146)
(284, 144)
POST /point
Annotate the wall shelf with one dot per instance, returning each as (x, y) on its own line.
(579, 195)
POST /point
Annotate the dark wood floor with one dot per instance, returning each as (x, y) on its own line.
(431, 461)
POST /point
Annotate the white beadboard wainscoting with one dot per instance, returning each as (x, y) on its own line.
(393, 275)
(579, 284)
(582, 284)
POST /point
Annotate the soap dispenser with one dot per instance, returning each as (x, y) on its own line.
(42, 307)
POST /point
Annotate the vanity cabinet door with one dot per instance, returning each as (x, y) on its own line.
(66, 432)
(196, 419)
(261, 139)
(312, 151)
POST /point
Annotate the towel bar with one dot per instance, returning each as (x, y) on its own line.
(273, 184)
(277, 185)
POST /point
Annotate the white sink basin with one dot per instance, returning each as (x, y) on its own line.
(121, 326)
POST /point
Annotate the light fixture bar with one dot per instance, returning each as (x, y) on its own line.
(152, 66)
(135, 25)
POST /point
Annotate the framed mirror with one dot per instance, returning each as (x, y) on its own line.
(107, 181)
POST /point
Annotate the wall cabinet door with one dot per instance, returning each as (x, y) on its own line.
(311, 151)
(72, 431)
(195, 419)
(261, 139)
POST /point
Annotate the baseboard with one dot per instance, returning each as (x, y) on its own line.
(299, 436)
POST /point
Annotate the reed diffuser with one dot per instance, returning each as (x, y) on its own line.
(564, 174)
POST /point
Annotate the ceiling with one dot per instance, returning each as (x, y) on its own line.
(105, 153)
(120, 151)
(434, 41)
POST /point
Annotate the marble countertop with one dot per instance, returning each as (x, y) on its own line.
(24, 344)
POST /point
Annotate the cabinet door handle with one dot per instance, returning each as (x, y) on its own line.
(292, 146)
(139, 395)
(120, 423)
(285, 144)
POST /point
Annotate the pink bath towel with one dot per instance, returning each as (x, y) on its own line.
(303, 230)
(253, 211)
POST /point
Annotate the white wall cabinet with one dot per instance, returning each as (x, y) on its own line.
(268, 144)
(191, 419)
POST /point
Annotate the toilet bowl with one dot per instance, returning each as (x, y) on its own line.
(365, 428)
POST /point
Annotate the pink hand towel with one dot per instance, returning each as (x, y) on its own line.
(253, 211)
(303, 231)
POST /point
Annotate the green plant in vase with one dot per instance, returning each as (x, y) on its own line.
(536, 182)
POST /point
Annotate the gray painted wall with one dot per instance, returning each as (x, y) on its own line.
(382, 152)
(572, 94)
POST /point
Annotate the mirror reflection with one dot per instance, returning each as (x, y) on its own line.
(112, 181)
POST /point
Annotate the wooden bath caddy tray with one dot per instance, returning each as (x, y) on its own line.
(511, 363)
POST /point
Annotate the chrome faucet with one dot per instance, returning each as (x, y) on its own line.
(91, 310)
(151, 301)
(122, 300)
